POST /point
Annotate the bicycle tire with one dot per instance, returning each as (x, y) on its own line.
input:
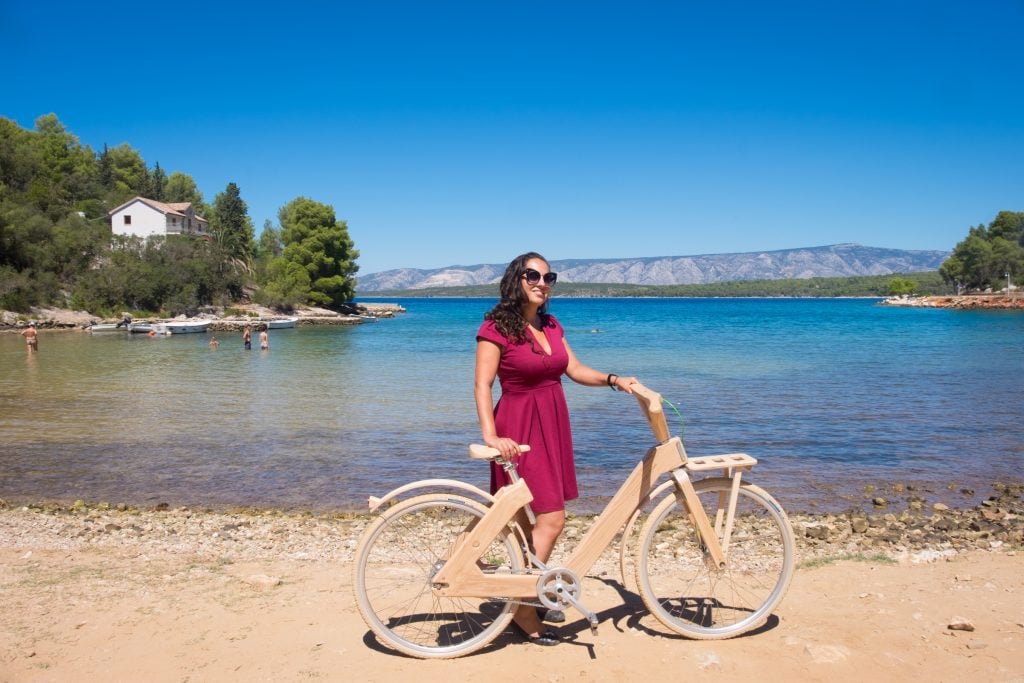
(396, 559)
(685, 594)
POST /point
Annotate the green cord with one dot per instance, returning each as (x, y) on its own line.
(682, 425)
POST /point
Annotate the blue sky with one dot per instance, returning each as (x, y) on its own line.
(465, 133)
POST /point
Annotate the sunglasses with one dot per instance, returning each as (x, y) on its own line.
(533, 277)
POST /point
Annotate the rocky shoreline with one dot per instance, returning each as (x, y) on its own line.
(966, 301)
(917, 534)
(239, 317)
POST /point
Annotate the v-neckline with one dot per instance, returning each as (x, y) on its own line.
(541, 338)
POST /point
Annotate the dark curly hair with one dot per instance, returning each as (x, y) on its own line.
(508, 313)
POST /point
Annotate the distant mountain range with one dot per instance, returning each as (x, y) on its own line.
(837, 260)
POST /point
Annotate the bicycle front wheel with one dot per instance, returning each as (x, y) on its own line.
(681, 587)
(395, 563)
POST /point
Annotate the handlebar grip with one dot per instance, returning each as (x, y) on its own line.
(482, 452)
(651, 400)
(650, 403)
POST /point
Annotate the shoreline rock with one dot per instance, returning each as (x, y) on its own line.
(253, 533)
(66, 319)
(967, 301)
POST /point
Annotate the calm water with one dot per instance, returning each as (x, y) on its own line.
(830, 395)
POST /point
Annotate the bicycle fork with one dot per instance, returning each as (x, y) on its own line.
(714, 554)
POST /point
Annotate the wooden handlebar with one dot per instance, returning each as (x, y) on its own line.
(651, 400)
(650, 403)
(482, 452)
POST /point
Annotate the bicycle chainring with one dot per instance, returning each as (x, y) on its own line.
(555, 587)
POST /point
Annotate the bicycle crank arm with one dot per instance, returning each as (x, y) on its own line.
(591, 617)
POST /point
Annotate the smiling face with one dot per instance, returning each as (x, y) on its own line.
(536, 295)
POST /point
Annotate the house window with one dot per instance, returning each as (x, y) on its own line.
(127, 219)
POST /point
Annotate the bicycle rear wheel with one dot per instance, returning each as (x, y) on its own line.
(690, 597)
(396, 560)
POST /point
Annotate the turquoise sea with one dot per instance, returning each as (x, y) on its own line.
(830, 395)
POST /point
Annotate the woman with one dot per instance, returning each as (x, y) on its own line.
(524, 346)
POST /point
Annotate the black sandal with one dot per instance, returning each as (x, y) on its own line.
(549, 638)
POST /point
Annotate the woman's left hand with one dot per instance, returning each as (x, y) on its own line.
(624, 384)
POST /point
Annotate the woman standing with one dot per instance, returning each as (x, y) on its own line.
(524, 346)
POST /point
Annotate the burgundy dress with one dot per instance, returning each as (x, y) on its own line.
(532, 410)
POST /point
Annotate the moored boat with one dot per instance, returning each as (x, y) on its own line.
(108, 327)
(280, 323)
(183, 327)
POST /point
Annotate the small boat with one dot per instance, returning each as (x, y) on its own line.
(280, 323)
(141, 328)
(182, 327)
(108, 327)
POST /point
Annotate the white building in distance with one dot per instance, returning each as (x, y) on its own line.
(143, 217)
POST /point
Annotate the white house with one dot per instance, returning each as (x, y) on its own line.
(147, 217)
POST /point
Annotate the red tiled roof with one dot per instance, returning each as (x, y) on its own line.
(176, 208)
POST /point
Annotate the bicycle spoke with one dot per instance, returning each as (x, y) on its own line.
(689, 596)
(395, 566)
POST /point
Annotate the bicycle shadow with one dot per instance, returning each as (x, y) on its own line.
(627, 615)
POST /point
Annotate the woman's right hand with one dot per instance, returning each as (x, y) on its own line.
(508, 447)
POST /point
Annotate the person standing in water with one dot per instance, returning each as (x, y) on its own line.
(31, 337)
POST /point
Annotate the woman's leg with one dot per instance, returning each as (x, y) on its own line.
(545, 533)
(543, 536)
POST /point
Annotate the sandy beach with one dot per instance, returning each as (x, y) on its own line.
(93, 592)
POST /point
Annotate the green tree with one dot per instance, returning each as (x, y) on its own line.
(106, 169)
(899, 286)
(231, 225)
(129, 172)
(270, 243)
(170, 276)
(1009, 225)
(66, 172)
(982, 259)
(319, 244)
(268, 247)
(20, 160)
(952, 271)
(1007, 258)
(157, 183)
(180, 187)
(287, 285)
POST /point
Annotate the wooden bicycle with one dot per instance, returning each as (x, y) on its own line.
(439, 574)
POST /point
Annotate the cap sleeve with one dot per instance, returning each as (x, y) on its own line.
(489, 332)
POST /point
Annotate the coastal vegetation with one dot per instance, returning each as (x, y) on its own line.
(56, 246)
(990, 256)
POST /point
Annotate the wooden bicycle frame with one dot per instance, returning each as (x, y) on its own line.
(461, 575)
